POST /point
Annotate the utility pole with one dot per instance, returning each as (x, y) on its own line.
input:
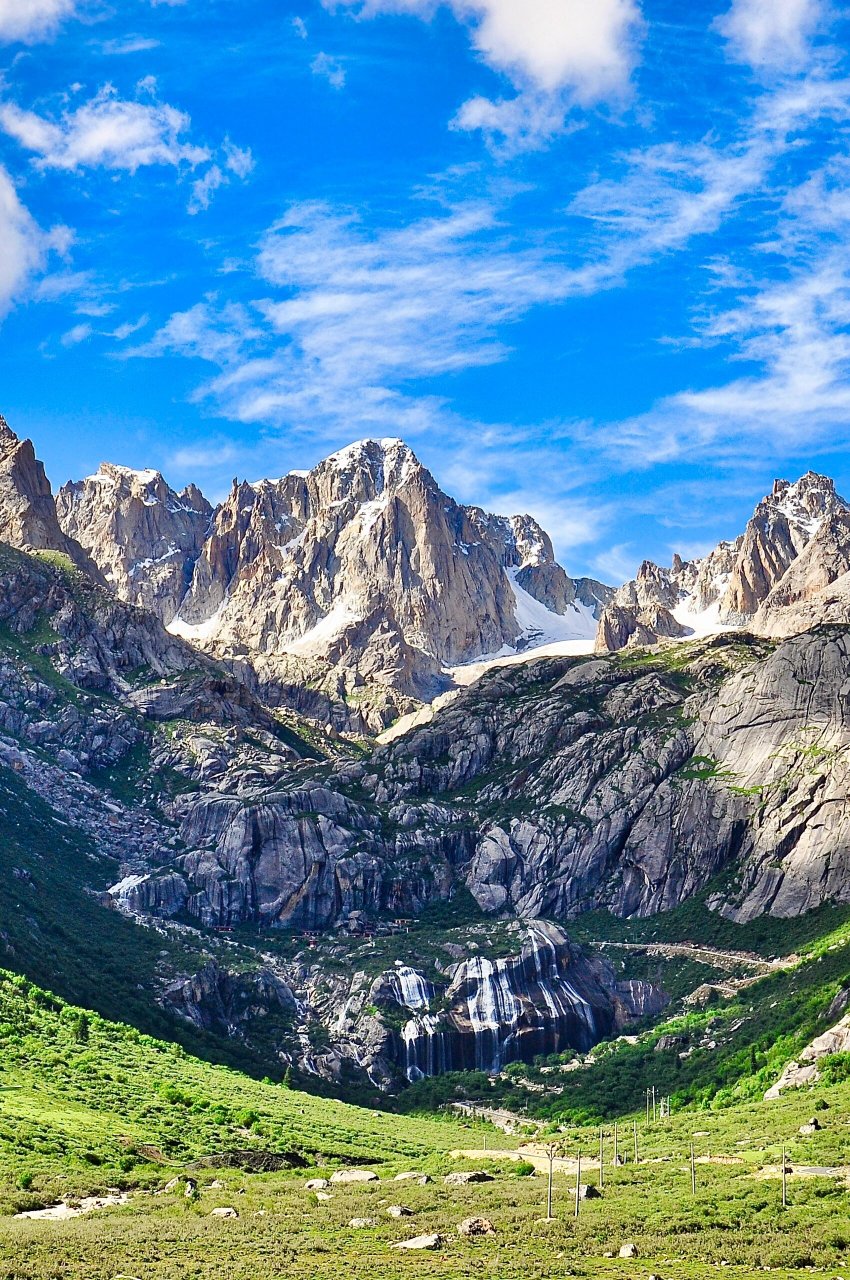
(616, 1152)
(578, 1182)
(653, 1104)
(784, 1182)
(636, 1143)
(647, 1108)
(693, 1172)
(550, 1152)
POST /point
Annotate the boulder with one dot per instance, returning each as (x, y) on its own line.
(476, 1227)
(462, 1179)
(360, 1223)
(586, 1191)
(317, 1184)
(353, 1175)
(226, 1212)
(628, 1250)
(420, 1242)
(422, 1179)
(398, 1211)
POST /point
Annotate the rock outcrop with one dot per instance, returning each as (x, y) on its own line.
(805, 1071)
(27, 511)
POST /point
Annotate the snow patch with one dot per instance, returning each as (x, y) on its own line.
(542, 626)
(325, 630)
(196, 630)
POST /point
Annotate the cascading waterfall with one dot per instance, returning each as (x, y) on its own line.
(542, 1001)
(410, 988)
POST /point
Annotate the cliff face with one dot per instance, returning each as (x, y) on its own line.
(552, 789)
(144, 537)
(544, 1000)
(784, 574)
(27, 512)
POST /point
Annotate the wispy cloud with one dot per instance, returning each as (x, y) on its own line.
(129, 44)
(79, 333)
(330, 69)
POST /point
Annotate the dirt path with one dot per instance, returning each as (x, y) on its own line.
(715, 956)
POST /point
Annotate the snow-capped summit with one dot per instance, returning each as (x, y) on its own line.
(795, 535)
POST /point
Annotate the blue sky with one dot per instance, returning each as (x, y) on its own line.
(590, 258)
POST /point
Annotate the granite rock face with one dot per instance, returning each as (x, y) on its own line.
(27, 511)
(552, 788)
(144, 537)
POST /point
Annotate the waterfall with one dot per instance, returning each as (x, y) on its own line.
(538, 1002)
(410, 988)
(427, 1051)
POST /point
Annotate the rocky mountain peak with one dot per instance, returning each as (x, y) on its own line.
(8, 439)
(804, 503)
(746, 582)
(27, 510)
(359, 573)
(141, 533)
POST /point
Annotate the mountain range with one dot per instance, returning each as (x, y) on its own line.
(340, 702)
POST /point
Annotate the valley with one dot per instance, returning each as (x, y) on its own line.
(285, 892)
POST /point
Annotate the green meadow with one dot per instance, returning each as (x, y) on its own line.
(88, 1106)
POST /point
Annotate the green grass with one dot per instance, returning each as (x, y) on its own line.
(83, 1110)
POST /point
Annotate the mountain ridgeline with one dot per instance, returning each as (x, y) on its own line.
(360, 577)
(194, 712)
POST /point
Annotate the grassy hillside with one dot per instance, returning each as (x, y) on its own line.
(727, 1049)
(87, 1105)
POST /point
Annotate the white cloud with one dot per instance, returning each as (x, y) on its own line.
(107, 132)
(299, 26)
(233, 160)
(31, 20)
(330, 69)
(795, 335)
(204, 188)
(772, 33)
(523, 123)
(24, 245)
(126, 330)
(129, 44)
(558, 54)
(237, 159)
(79, 333)
(588, 48)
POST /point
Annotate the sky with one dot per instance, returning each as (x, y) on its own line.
(589, 258)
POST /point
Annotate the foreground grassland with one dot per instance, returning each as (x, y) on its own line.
(87, 1105)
